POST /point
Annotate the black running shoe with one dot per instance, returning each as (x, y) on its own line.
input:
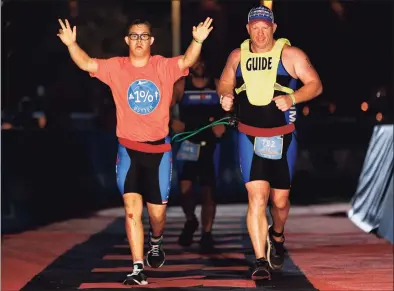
(261, 270)
(137, 277)
(275, 250)
(186, 237)
(207, 243)
(155, 257)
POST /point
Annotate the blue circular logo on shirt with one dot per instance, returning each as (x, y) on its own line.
(143, 96)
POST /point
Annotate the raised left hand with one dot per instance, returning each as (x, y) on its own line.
(283, 102)
(202, 30)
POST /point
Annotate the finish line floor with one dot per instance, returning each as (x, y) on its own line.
(325, 252)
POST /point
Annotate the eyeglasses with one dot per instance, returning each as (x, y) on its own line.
(135, 36)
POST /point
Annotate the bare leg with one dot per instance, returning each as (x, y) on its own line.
(279, 210)
(135, 231)
(157, 218)
(258, 193)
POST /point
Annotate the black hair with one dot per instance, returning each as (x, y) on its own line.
(138, 22)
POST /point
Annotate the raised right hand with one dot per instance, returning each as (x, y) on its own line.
(67, 36)
(227, 102)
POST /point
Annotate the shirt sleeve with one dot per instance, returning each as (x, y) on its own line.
(171, 69)
(106, 70)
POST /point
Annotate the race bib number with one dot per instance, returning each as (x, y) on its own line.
(143, 96)
(269, 147)
(188, 151)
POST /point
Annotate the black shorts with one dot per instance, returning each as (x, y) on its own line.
(148, 174)
(278, 173)
(205, 170)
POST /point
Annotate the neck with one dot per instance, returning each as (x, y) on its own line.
(140, 61)
(265, 49)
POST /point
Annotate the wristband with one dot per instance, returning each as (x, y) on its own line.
(293, 99)
(197, 41)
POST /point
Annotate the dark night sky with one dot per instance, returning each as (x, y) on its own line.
(353, 57)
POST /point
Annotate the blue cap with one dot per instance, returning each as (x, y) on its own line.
(261, 13)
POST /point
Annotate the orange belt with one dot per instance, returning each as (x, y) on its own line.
(145, 147)
(265, 132)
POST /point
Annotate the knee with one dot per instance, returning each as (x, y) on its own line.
(157, 217)
(258, 203)
(280, 203)
(258, 194)
(133, 207)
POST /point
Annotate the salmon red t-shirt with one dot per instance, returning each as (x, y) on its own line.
(142, 95)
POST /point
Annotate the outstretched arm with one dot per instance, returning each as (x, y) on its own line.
(200, 33)
(68, 36)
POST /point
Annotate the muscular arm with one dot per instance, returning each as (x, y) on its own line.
(227, 79)
(81, 59)
(303, 70)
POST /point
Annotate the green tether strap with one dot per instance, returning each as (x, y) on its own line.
(177, 137)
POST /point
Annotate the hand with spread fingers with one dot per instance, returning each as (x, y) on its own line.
(202, 30)
(67, 35)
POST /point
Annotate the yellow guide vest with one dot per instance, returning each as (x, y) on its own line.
(259, 72)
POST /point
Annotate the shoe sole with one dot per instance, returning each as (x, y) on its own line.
(136, 283)
(273, 267)
(261, 277)
(257, 278)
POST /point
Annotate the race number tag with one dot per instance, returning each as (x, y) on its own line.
(269, 147)
(188, 151)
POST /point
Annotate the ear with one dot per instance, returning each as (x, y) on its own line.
(247, 28)
(152, 39)
(127, 40)
(274, 26)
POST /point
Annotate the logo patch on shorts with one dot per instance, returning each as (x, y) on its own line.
(143, 96)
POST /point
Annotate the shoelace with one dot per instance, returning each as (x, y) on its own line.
(136, 271)
(155, 250)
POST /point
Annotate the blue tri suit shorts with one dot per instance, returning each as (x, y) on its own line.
(148, 174)
(279, 173)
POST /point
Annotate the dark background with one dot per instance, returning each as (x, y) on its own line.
(66, 168)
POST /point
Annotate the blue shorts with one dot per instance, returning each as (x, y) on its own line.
(279, 173)
(148, 174)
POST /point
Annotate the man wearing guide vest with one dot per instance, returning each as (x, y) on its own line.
(197, 109)
(262, 76)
